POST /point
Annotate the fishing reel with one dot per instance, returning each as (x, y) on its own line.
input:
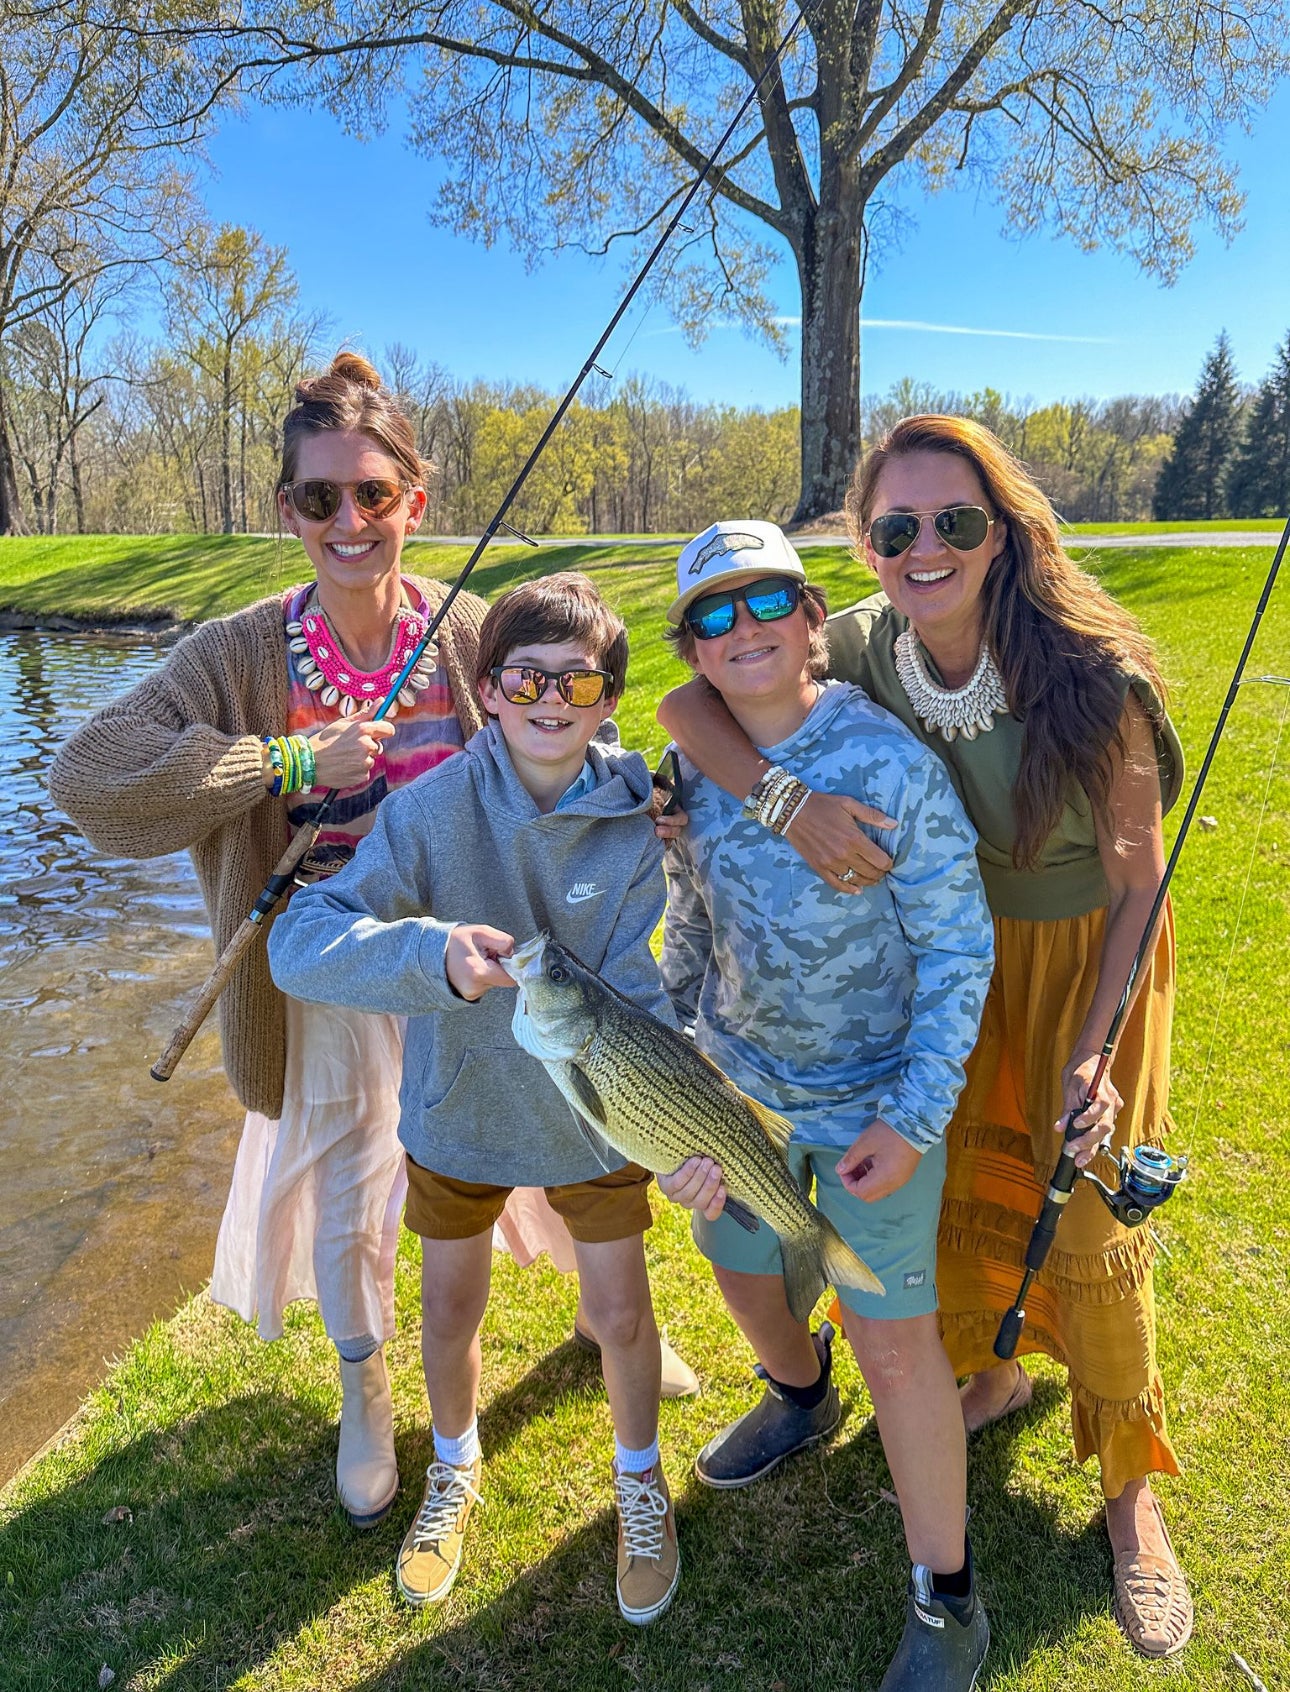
(1148, 1177)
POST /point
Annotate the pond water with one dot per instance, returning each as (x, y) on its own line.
(111, 1185)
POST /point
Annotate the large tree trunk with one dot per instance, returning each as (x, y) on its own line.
(78, 491)
(829, 272)
(226, 449)
(11, 520)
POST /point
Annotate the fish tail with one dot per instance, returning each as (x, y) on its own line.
(842, 1267)
(804, 1275)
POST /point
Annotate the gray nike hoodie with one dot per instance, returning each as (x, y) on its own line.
(466, 843)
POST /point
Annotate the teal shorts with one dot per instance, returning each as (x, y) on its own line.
(896, 1236)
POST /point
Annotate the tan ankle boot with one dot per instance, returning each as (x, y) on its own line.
(367, 1476)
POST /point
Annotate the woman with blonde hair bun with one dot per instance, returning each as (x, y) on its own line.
(1043, 699)
(225, 751)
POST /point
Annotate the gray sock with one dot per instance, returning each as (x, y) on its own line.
(357, 1350)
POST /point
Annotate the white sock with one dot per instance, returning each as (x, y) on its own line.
(460, 1451)
(635, 1462)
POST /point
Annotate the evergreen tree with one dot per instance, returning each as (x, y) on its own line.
(1258, 480)
(1192, 480)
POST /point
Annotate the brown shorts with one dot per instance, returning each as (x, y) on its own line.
(612, 1207)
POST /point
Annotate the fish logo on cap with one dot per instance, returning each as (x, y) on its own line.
(734, 541)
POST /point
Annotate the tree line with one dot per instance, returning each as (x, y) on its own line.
(114, 433)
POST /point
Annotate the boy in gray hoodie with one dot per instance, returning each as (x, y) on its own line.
(532, 827)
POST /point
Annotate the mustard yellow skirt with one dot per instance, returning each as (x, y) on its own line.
(1091, 1307)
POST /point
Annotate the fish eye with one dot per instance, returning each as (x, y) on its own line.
(555, 973)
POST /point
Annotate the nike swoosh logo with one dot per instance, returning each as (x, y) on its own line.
(581, 898)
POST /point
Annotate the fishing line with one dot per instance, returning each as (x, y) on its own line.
(1148, 1175)
(284, 873)
(1240, 909)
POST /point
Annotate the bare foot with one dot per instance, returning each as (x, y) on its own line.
(992, 1393)
(1134, 1522)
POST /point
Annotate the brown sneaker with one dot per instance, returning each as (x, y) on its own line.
(649, 1560)
(431, 1551)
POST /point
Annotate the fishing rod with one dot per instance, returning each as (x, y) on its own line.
(283, 874)
(1148, 1175)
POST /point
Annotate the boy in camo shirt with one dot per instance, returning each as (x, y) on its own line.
(851, 1013)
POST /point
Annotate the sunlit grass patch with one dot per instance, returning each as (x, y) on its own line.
(235, 1568)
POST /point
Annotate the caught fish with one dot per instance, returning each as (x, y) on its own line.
(643, 1090)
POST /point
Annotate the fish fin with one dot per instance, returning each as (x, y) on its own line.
(587, 1113)
(589, 1101)
(741, 1214)
(803, 1276)
(777, 1129)
(842, 1266)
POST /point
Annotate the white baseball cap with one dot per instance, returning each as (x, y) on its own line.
(728, 549)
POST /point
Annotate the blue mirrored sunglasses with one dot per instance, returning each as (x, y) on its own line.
(768, 599)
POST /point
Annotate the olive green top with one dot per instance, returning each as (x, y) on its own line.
(1067, 879)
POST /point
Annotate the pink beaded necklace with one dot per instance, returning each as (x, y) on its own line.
(325, 670)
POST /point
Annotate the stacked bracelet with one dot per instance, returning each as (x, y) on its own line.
(776, 799)
(291, 757)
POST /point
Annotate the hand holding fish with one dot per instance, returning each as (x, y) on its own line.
(698, 1185)
(641, 1090)
(471, 961)
(878, 1162)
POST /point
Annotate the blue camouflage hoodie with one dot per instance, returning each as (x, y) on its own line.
(835, 1008)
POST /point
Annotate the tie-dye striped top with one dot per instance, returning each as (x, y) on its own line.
(424, 735)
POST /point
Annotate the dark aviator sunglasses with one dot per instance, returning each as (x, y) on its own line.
(963, 527)
(767, 599)
(318, 500)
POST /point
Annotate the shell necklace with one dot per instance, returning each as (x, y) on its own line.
(950, 711)
(324, 669)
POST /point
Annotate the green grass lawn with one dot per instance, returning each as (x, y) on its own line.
(1200, 526)
(235, 1569)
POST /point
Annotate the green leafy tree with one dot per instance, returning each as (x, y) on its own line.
(1258, 480)
(1193, 479)
(564, 124)
(229, 285)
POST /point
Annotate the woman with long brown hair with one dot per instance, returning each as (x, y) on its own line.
(1043, 699)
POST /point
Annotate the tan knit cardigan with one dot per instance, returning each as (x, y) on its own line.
(176, 763)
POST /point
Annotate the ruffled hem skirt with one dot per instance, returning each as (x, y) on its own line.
(317, 1196)
(1091, 1307)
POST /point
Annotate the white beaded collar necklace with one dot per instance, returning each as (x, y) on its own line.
(950, 711)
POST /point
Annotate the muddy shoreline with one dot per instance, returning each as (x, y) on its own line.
(162, 629)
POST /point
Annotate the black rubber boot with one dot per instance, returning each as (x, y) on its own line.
(773, 1429)
(938, 1652)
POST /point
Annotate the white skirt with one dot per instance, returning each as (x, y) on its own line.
(317, 1195)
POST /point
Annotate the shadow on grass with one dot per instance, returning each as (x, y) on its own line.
(233, 1543)
(189, 578)
(565, 1372)
(235, 1548)
(795, 1583)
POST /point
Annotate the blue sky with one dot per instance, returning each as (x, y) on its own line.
(961, 305)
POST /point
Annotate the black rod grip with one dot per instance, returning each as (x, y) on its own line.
(1005, 1341)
